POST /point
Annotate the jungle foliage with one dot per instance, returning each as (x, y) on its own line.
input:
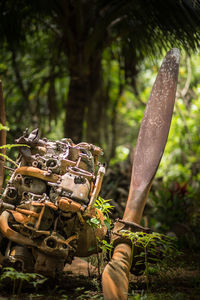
(84, 69)
(60, 56)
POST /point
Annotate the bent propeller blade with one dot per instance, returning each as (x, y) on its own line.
(152, 135)
(149, 149)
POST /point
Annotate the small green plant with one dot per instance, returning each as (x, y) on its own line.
(19, 277)
(89, 295)
(149, 248)
(8, 147)
(105, 207)
(105, 246)
(137, 296)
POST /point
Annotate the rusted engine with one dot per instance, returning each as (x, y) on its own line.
(47, 203)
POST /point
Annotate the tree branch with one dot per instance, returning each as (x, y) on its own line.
(18, 76)
(2, 135)
(187, 83)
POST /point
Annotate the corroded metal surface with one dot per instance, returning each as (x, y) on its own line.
(115, 277)
(152, 135)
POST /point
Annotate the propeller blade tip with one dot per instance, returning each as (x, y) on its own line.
(174, 52)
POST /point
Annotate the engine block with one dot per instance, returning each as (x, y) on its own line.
(47, 202)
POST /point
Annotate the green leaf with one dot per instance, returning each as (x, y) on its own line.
(9, 146)
(95, 221)
(2, 127)
(9, 159)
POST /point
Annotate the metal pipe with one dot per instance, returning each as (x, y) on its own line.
(10, 233)
(4, 206)
(68, 205)
(37, 173)
(97, 187)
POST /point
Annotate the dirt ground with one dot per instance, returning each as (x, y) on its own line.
(176, 279)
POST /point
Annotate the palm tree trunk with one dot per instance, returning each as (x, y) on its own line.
(75, 108)
(95, 102)
(84, 105)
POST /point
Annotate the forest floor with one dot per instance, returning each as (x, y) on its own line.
(176, 279)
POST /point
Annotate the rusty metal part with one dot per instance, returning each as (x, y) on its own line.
(81, 219)
(37, 225)
(71, 238)
(117, 237)
(47, 264)
(41, 150)
(80, 172)
(57, 246)
(26, 153)
(18, 178)
(67, 205)
(152, 135)
(82, 157)
(31, 140)
(4, 206)
(91, 189)
(37, 173)
(53, 164)
(22, 257)
(65, 163)
(34, 220)
(30, 184)
(87, 243)
(11, 234)
(27, 212)
(20, 217)
(51, 205)
(46, 214)
(97, 187)
(8, 168)
(94, 149)
(10, 195)
(75, 186)
(88, 236)
(115, 277)
(7, 252)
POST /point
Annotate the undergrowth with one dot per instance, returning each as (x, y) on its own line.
(16, 279)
